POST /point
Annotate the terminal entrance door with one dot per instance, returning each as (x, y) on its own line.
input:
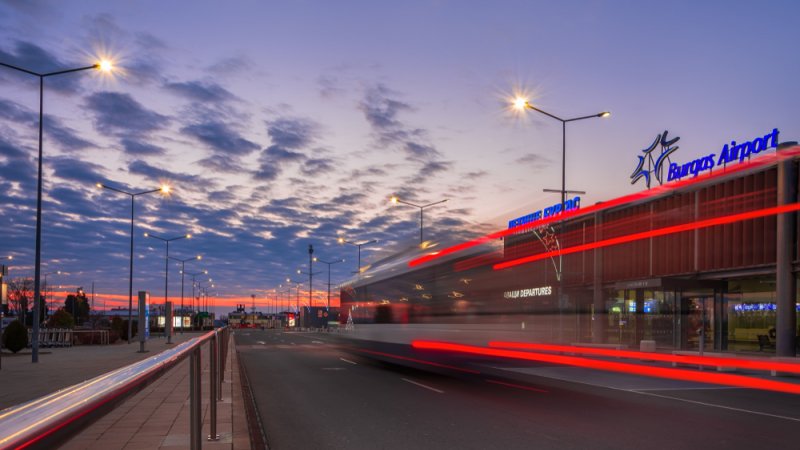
(670, 311)
(699, 321)
(644, 314)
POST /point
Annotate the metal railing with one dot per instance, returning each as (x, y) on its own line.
(42, 423)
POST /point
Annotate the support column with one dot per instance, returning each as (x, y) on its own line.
(785, 283)
(598, 304)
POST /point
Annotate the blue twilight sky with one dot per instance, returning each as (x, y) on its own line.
(283, 124)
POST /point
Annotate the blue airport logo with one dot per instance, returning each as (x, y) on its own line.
(653, 166)
(569, 205)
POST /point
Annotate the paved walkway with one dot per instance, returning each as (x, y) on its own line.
(158, 416)
(58, 368)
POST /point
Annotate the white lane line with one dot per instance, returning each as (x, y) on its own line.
(293, 343)
(262, 342)
(423, 386)
(794, 419)
(317, 342)
(348, 361)
(333, 368)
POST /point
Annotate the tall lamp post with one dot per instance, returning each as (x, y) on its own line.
(297, 300)
(166, 271)
(394, 199)
(329, 263)
(194, 282)
(359, 245)
(521, 104)
(310, 275)
(183, 270)
(105, 66)
(47, 288)
(164, 190)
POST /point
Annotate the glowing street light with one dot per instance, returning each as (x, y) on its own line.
(47, 288)
(395, 200)
(164, 189)
(521, 104)
(38, 258)
(342, 240)
(328, 306)
(194, 281)
(183, 269)
(166, 271)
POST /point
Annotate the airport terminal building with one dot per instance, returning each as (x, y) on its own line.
(710, 256)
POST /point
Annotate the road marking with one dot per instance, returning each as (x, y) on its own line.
(518, 386)
(317, 342)
(794, 419)
(348, 361)
(262, 342)
(293, 343)
(422, 386)
(333, 368)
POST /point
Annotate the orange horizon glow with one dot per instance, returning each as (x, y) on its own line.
(56, 298)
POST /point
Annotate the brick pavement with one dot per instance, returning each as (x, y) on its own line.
(158, 416)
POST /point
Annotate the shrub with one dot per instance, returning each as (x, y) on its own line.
(61, 319)
(15, 336)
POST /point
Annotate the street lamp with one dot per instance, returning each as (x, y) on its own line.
(310, 276)
(164, 190)
(297, 300)
(328, 306)
(166, 273)
(359, 245)
(105, 66)
(193, 275)
(521, 104)
(47, 288)
(183, 267)
(396, 200)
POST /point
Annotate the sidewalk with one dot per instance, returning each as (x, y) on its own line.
(158, 416)
(58, 368)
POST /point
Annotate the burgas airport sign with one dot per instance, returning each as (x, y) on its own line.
(569, 205)
(730, 153)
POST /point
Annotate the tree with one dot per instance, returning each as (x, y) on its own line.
(61, 319)
(15, 336)
(78, 305)
(20, 295)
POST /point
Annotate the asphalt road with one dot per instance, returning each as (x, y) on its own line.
(311, 394)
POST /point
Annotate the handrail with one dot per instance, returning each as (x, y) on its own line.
(41, 423)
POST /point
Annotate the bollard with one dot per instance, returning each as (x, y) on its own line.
(224, 349)
(212, 386)
(195, 400)
(220, 363)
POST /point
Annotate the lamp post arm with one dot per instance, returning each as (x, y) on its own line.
(29, 72)
(593, 116)
(434, 203)
(529, 106)
(60, 72)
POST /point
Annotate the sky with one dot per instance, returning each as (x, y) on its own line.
(280, 125)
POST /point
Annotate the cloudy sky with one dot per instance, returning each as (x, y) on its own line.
(284, 124)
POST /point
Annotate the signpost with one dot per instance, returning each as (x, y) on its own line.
(144, 319)
(168, 321)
